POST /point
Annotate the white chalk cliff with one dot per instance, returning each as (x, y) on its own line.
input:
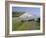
(26, 16)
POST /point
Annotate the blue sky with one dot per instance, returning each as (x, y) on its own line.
(32, 10)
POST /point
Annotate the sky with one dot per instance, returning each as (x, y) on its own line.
(32, 10)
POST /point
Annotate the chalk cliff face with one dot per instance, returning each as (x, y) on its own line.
(27, 16)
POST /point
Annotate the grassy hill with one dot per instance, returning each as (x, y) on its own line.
(17, 14)
(27, 25)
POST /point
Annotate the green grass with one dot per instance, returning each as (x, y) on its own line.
(19, 26)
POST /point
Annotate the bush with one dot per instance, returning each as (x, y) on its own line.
(38, 20)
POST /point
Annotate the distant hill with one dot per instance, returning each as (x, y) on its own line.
(17, 14)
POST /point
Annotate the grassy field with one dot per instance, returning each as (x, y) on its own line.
(27, 25)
